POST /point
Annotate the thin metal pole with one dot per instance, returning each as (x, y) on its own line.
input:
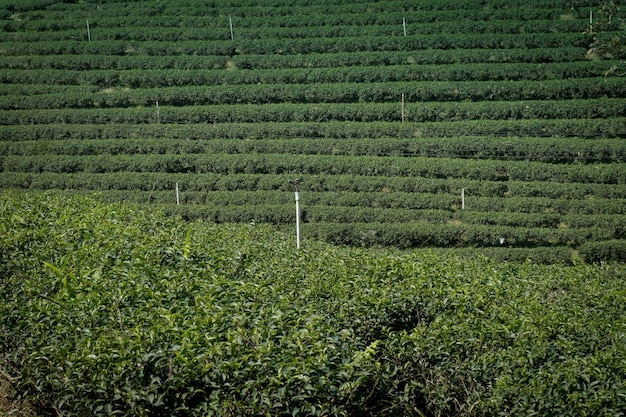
(230, 21)
(298, 219)
(402, 107)
(177, 195)
(88, 32)
(404, 25)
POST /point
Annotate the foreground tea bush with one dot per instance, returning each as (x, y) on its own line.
(110, 311)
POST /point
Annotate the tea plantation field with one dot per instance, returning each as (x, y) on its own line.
(110, 310)
(496, 125)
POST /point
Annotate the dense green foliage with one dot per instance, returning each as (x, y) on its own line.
(517, 104)
(110, 310)
(492, 127)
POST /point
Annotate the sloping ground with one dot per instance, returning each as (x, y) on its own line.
(465, 124)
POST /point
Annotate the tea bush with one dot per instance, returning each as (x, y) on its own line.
(108, 310)
(610, 250)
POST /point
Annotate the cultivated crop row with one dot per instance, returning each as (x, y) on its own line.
(199, 33)
(553, 150)
(325, 112)
(362, 13)
(596, 71)
(491, 170)
(396, 201)
(554, 56)
(298, 46)
(578, 128)
(207, 183)
(399, 206)
(420, 91)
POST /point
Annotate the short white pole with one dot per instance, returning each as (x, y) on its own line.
(88, 32)
(462, 198)
(590, 17)
(230, 21)
(404, 25)
(298, 219)
(402, 110)
(158, 115)
(177, 195)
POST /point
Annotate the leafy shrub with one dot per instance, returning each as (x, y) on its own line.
(609, 250)
(109, 310)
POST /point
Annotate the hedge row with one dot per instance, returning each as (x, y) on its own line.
(154, 181)
(548, 57)
(413, 235)
(402, 235)
(414, 92)
(326, 112)
(491, 170)
(511, 206)
(583, 128)
(299, 46)
(58, 21)
(143, 33)
(397, 73)
(277, 208)
(180, 14)
(607, 251)
(552, 150)
(550, 255)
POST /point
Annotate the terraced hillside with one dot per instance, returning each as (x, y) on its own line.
(411, 123)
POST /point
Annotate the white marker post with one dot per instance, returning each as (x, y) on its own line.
(157, 112)
(88, 32)
(404, 25)
(177, 195)
(402, 108)
(296, 184)
(230, 21)
(298, 219)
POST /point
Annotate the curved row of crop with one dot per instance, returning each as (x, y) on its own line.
(299, 46)
(180, 33)
(87, 62)
(552, 150)
(325, 112)
(557, 128)
(378, 92)
(292, 14)
(492, 170)
(400, 207)
(215, 78)
(206, 183)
